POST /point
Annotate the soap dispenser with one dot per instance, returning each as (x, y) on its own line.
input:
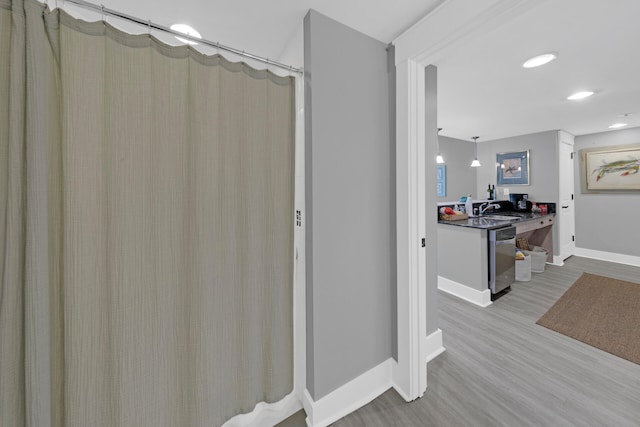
(468, 206)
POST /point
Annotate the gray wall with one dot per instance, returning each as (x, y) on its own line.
(543, 164)
(350, 195)
(607, 222)
(451, 257)
(543, 168)
(461, 179)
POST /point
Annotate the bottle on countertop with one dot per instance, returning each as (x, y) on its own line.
(490, 192)
(534, 208)
(468, 206)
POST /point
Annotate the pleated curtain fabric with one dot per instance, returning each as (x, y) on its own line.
(146, 228)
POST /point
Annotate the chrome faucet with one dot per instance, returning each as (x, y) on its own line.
(486, 206)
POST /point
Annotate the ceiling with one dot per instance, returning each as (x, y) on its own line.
(482, 88)
(265, 27)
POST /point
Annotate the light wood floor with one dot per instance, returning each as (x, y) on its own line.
(501, 369)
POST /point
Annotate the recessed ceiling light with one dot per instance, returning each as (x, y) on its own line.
(539, 60)
(617, 125)
(580, 95)
(188, 30)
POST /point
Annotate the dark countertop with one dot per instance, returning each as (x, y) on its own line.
(485, 222)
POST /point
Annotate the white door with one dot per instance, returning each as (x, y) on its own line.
(566, 212)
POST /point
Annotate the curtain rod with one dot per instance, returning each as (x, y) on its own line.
(151, 25)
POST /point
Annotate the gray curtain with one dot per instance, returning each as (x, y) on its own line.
(146, 228)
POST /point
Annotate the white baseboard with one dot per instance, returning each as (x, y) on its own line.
(433, 345)
(557, 260)
(481, 298)
(267, 414)
(401, 392)
(351, 396)
(608, 256)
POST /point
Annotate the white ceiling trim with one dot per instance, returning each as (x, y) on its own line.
(453, 23)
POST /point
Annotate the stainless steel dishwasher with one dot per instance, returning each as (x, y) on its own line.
(502, 259)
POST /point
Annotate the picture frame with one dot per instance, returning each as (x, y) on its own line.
(610, 169)
(512, 168)
(441, 181)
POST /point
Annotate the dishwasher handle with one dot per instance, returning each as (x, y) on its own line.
(505, 242)
(502, 234)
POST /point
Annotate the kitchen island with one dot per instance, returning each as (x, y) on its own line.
(463, 261)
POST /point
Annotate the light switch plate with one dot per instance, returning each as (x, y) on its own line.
(505, 191)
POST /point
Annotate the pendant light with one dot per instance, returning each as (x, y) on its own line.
(475, 163)
(439, 158)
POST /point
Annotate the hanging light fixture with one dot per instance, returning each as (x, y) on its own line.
(439, 158)
(475, 163)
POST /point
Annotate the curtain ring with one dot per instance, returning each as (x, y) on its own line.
(102, 12)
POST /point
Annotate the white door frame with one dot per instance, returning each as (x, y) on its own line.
(565, 215)
(409, 375)
(451, 24)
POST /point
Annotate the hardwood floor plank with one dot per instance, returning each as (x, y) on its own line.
(501, 369)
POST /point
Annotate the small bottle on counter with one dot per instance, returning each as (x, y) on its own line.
(468, 206)
(534, 208)
(491, 192)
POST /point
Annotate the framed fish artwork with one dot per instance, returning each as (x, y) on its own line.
(513, 168)
(610, 169)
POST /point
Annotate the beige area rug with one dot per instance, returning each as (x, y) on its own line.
(602, 312)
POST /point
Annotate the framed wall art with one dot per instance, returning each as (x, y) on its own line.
(610, 169)
(441, 180)
(513, 168)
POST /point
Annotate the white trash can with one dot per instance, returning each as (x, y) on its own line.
(523, 269)
(538, 259)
